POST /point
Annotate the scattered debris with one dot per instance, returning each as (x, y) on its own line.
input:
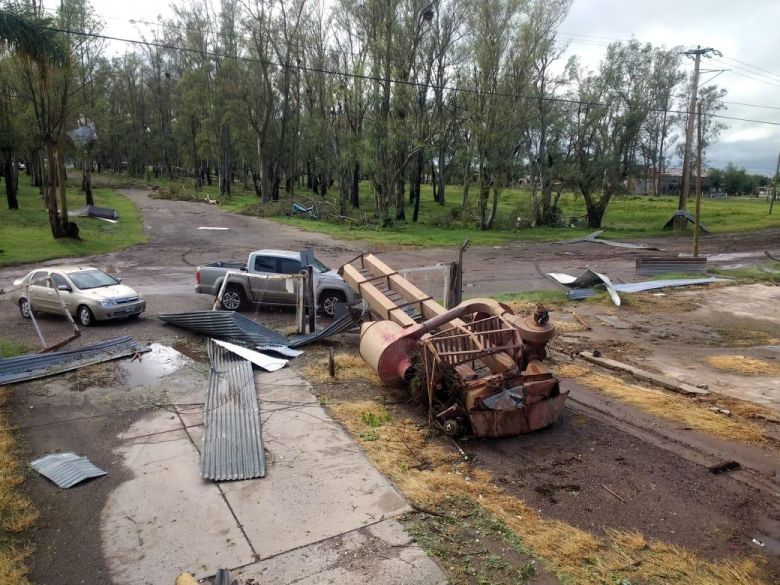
(227, 325)
(652, 265)
(581, 320)
(105, 213)
(687, 215)
(479, 363)
(758, 542)
(663, 381)
(772, 256)
(344, 323)
(214, 229)
(223, 578)
(263, 361)
(594, 238)
(232, 446)
(66, 469)
(311, 211)
(584, 286)
(723, 467)
(32, 366)
(236, 327)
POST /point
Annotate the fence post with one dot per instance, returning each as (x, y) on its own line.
(312, 298)
(300, 303)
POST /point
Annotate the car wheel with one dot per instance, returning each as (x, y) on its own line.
(24, 308)
(328, 301)
(85, 316)
(232, 299)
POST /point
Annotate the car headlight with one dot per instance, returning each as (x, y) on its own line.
(106, 303)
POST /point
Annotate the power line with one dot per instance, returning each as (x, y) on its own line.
(381, 79)
(753, 67)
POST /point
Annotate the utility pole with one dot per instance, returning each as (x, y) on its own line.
(774, 186)
(681, 223)
(697, 217)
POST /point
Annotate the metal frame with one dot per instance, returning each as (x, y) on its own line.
(301, 281)
(76, 330)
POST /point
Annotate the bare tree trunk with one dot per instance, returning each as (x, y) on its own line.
(354, 195)
(51, 192)
(466, 184)
(62, 179)
(11, 180)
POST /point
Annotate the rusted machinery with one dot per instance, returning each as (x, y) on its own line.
(479, 365)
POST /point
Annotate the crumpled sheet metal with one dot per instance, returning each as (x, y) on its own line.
(226, 325)
(687, 215)
(594, 238)
(582, 286)
(39, 365)
(340, 325)
(66, 469)
(232, 446)
(236, 327)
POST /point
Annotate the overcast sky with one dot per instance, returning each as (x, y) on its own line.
(744, 31)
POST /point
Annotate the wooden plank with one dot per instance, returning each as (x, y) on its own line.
(640, 374)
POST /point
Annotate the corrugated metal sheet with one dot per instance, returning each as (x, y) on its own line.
(235, 327)
(35, 365)
(66, 469)
(226, 325)
(266, 362)
(687, 215)
(594, 238)
(664, 264)
(232, 444)
(345, 323)
(280, 349)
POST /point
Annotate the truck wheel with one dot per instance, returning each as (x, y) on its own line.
(328, 301)
(232, 298)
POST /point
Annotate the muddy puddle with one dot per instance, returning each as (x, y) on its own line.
(127, 373)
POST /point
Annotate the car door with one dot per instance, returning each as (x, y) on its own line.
(265, 291)
(41, 295)
(68, 296)
(292, 267)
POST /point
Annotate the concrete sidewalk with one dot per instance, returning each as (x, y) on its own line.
(323, 513)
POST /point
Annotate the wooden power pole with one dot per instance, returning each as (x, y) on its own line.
(774, 186)
(697, 216)
(685, 189)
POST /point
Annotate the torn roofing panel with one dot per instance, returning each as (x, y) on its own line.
(268, 363)
(232, 445)
(226, 325)
(66, 469)
(340, 325)
(34, 365)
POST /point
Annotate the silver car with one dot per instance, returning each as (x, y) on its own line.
(88, 293)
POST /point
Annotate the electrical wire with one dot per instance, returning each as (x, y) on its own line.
(324, 71)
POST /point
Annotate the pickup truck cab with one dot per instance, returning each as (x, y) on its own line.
(329, 287)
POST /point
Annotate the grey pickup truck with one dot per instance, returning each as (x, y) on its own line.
(329, 287)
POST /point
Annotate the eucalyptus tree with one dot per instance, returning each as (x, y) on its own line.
(607, 125)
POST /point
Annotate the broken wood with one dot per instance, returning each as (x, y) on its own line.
(644, 375)
(581, 320)
(613, 493)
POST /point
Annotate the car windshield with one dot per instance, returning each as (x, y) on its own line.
(319, 266)
(87, 279)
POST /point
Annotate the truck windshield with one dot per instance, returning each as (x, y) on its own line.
(88, 279)
(319, 266)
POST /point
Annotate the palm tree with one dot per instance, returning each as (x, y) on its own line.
(30, 36)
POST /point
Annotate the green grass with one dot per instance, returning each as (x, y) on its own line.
(11, 348)
(627, 217)
(25, 235)
(767, 272)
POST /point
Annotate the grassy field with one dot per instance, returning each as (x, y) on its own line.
(628, 216)
(25, 235)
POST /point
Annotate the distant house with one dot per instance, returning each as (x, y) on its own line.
(669, 182)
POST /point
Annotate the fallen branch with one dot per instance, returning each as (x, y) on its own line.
(613, 493)
(431, 512)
